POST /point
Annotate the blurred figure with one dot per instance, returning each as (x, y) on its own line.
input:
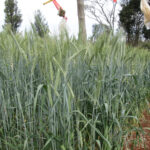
(145, 7)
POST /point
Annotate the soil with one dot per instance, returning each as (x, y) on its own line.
(144, 141)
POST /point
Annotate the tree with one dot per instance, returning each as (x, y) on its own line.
(12, 15)
(131, 19)
(40, 24)
(97, 30)
(146, 33)
(81, 19)
(102, 11)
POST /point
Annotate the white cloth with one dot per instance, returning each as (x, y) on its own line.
(146, 10)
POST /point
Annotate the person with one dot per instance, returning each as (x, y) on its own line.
(61, 12)
(145, 8)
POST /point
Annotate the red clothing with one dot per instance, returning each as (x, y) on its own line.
(57, 5)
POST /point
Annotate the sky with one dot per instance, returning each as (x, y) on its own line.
(28, 8)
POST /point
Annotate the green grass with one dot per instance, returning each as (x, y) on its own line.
(57, 94)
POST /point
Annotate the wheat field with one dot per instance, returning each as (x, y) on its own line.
(58, 94)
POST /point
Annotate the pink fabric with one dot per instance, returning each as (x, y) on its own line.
(66, 18)
(57, 5)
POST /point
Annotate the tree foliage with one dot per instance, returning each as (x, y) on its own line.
(12, 15)
(146, 33)
(131, 19)
(40, 24)
(97, 30)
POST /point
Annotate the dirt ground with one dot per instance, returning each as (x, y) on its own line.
(144, 142)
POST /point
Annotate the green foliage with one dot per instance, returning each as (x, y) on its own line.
(97, 30)
(146, 33)
(40, 25)
(57, 94)
(131, 19)
(145, 45)
(12, 15)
